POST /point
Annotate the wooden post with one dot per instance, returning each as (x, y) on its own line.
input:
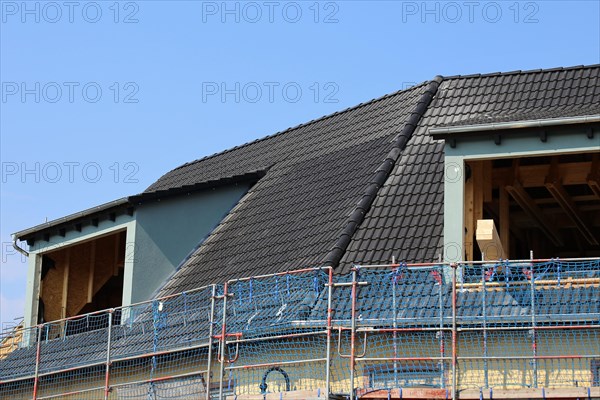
(487, 181)
(65, 285)
(489, 241)
(473, 205)
(468, 238)
(117, 246)
(90, 292)
(505, 220)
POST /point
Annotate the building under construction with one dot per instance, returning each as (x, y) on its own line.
(441, 242)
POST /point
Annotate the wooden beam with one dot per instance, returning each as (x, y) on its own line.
(528, 205)
(478, 189)
(468, 212)
(487, 181)
(473, 205)
(91, 271)
(505, 220)
(65, 284)
(593, 178)
(489, 240)
(573, 173)
(561, 196)
(116, 260)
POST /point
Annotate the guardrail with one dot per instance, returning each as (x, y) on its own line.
(447, 329)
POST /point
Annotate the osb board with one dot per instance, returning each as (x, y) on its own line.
(53, 287)
(105, 261)
(78, 277)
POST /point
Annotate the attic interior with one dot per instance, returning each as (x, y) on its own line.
(82, 278)
(546, 204)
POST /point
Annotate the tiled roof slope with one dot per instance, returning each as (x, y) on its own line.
(406, 219)
(292, 216)
(318, 173)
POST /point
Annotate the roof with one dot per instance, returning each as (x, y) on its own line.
(365, 183)
(103, 209)
(361, 185)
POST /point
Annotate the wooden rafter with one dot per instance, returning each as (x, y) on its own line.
(91, 272)
(473, 205)
(65, 283)
(525, 201)
(593, 178)
(505, 220)
(565, 201)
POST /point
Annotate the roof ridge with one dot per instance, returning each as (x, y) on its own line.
(381, 174)
(522, 72)
(291, 128)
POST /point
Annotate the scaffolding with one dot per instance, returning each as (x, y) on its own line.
(480, 330)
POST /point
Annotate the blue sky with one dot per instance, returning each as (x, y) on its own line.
(100, 98)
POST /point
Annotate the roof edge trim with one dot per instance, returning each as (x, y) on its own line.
(383, 172)
(536, 123)
(72, 217)
(251, 176)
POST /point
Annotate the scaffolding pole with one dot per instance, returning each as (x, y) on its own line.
(454, 332)
(37, 361)
(329, 327)
(223, 342)
(533, 331)
(486, 382)
(210, 337)
(108, 343)
(353, 332)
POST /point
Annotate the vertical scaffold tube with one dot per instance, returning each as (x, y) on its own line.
(442, 349)
(353, 332)
(484, 332)
(329, 318)
(37, 361)
(395, 326)
(223, 344)
(210, 338)
(108, 343)
(454, 355)
(533, 331)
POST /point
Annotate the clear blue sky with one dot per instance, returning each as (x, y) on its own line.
(101, 98)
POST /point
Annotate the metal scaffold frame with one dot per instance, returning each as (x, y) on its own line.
(430, 330)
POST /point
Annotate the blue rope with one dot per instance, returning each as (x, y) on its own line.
(507, 273)
(398, 272)
(558, 264)
(240, 294)
(276, 288)
(287, 280)
(316, 284)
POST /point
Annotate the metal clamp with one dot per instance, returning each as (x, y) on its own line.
(237, 347)
(364, 352)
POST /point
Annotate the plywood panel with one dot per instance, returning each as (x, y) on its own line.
(53, 287)
(78, 277)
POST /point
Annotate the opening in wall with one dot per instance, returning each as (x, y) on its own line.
(82, 278)
(546, 204)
